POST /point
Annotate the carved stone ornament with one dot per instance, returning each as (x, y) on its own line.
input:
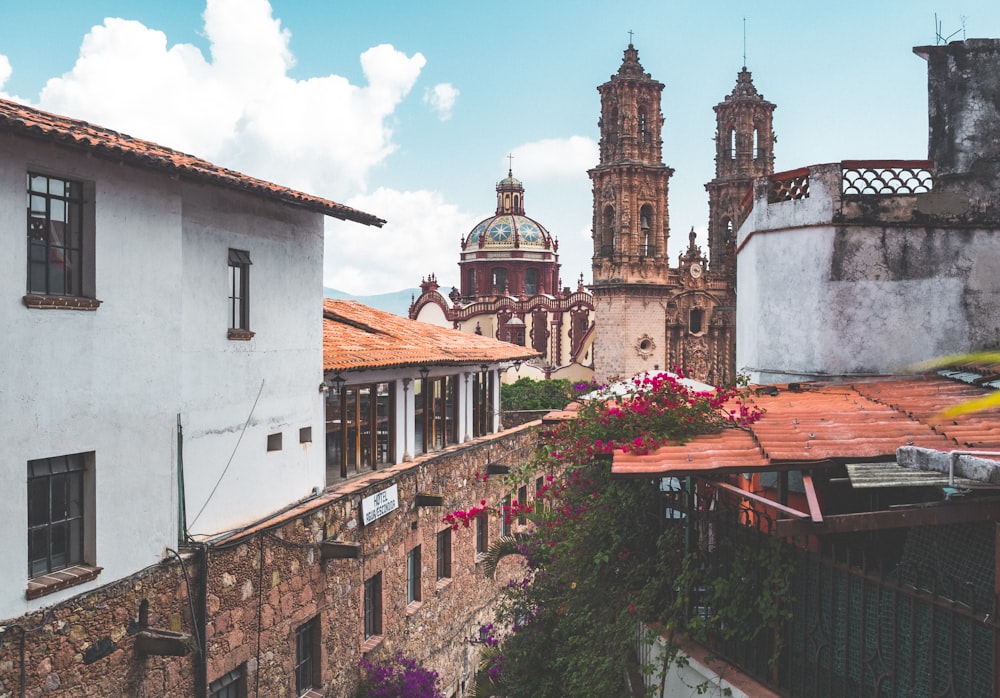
(645, 346)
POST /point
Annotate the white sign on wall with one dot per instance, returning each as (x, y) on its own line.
(379, 504)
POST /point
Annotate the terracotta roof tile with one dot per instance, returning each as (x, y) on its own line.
(357, 337)
(102, 142)
(820, 423)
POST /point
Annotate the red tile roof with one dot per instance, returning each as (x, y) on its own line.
(356, 337)
(817, 423)
(105, 143)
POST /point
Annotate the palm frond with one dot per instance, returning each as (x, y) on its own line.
(501, 548)
(982, 357)
(980, 403)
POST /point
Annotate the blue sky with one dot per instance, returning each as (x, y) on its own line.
(408, 110)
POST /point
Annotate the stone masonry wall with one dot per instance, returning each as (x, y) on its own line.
(267, 581)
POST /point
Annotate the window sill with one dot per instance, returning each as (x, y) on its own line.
(34, 300)
(371, 643)
(311, 693)
(442, 584)
(480, 557)
(239, 335)
(413, 607)
(46, 584)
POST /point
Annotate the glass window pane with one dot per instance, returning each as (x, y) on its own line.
(38, 501)
(74, 546)
(60, 503)
(59, 543)
(38, 552)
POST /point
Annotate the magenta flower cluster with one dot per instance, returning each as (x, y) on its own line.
(398, 676)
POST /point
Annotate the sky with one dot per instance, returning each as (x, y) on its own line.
(409, 110)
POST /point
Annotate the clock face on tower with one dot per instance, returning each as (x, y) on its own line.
(695, 270)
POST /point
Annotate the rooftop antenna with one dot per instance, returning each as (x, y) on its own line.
(939, 38)
(744, 43)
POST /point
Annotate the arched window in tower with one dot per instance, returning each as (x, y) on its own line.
(646, 229)
(642, 125)
(612, 131)
(517, 199)
(756, 152)
(531, 282)
(470, 283)
(732, 144)
(506, 202)
(499, 280)
(608, 239)
(730, 236)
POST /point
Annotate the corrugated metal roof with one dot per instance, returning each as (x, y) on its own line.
(876, 475)
(357, 337)
(818, 423)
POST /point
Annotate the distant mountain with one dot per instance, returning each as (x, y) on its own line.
(396, 302)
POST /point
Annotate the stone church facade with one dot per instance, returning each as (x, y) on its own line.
(651, 316)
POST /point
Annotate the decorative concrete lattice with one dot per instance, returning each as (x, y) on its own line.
(788, 186)
(887, 179)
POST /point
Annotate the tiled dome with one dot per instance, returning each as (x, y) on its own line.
(507, 231)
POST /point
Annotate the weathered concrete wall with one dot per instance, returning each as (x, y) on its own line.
(836, 285)
(963, 81)
(267, 581)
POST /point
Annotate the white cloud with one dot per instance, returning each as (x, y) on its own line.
(240, 108)
(556, 157)
(441, 99)
(422, 235)
(5, 70)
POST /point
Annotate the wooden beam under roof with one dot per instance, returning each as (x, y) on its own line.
(935, 514)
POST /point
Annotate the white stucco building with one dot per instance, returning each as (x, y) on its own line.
(866, 267)
(161, 352)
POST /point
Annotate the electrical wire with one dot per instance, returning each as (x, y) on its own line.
(230, 461)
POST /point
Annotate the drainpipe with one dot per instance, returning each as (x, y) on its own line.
(201, 669)
(181, 501)
(953, 461)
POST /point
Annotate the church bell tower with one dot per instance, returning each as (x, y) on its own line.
(744, 150)
(631, 224)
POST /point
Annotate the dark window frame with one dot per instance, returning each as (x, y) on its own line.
(505, 516)
(57, 513)
(307, 659)
(58, 262)
(239, 293)
(414, 592)
(230, 685)
(444, 566)
(482, 534)
(373, 606)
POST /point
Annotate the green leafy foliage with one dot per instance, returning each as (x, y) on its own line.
(528, 394)
(599, 557)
